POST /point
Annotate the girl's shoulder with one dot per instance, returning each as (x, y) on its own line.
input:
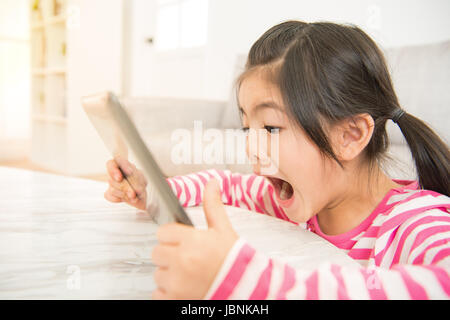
(408, 201)
(409, 197)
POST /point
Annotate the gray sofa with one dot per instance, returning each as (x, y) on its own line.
(421, 76)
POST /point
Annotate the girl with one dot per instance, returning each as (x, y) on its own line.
(325, 90)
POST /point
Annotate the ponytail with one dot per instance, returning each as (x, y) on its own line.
(431, 155)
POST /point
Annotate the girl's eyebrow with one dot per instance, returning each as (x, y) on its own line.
(263, 105)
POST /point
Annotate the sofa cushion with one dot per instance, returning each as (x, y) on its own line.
(421, 77)
(154, 115)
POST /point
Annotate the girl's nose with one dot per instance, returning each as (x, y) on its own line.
(260, 150)
(253, 149)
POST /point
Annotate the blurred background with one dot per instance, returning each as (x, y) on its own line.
(173, 61)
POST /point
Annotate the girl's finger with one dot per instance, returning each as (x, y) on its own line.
(108, 196)
(162, 255)
(215, 213)
(113, 170)
(127, 167)
(117, 193)
(161, 277)
(124, 187)
(113, 183)
(159, 294)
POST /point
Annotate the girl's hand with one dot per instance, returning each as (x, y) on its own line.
(188, 259)
(120, 190)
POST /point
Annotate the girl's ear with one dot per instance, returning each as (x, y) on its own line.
(350, 136)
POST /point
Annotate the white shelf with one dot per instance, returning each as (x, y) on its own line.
(61, 71)
(49, 22)
(48, 38)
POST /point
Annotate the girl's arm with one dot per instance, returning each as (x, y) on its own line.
(422, 272)
(248, 191)
(247, 274)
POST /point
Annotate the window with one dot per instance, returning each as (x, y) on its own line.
(181, 24)
(14, 70)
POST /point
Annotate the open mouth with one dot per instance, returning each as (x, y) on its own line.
(283, 191)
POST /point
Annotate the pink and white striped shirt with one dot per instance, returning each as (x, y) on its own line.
(403, 247)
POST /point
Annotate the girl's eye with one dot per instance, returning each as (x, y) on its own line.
(272, 129)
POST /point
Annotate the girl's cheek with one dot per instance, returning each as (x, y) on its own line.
(300, 211)
(290, 156)
(302, 164)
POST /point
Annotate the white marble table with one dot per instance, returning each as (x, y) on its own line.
(59, 239)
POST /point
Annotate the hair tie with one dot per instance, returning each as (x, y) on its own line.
(398, 113)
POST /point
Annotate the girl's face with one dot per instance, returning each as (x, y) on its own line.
(303, 182)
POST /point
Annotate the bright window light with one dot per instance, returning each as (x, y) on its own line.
(194, 23)
(181, 24)
(14, 89)
(168, 26)
(14, 69)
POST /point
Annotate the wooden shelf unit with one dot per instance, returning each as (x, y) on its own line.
(71, 57)
(49, 82)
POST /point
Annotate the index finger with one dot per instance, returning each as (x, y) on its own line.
(113, 170)
(173, 233)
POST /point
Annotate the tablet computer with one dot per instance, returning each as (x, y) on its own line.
(120, 136)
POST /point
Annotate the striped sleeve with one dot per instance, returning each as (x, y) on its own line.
(423, 238)
(248, 191)
(248, 274)
(403, 254)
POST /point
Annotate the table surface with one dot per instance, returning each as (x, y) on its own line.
(60, 239)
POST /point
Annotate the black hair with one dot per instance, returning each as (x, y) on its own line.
(328, 71)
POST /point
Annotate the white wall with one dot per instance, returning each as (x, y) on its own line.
(235, 24)
(95, 65)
